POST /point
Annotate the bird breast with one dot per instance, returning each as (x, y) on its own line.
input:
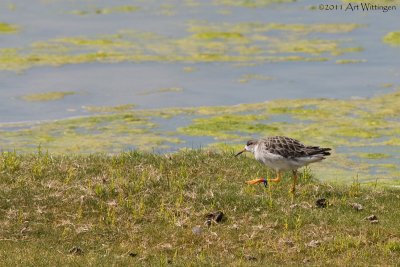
(274, 161)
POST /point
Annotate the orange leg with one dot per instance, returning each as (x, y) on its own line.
(256, 181)
(293, 190)
(277, 179)
(265, 181)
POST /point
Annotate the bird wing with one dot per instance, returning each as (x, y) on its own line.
(292, 148)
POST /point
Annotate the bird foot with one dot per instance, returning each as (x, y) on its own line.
(275, 180)
(257, 181)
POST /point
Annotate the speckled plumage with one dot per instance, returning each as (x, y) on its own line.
(284, 153)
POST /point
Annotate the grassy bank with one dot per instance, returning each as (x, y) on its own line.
(143, 209)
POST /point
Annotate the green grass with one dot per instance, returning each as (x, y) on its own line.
(139, 209)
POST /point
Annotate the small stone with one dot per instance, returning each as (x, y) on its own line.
(197, 230)
(306, 205)
(24, 230)
(313, 243)
(371, 218)
(258, 227)
(76, 251)
(250, 258)
(286, 242)
(217, 216)
(169, 261)
(356, 206)
(207, 222)
(210, 153)
(132, 254)
(234, 226)
(321, 203)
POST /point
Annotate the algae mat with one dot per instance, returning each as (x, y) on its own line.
(203, 42)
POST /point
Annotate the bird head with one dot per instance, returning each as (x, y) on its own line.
(250, 147)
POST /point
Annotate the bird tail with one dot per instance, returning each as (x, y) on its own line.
(316, 150)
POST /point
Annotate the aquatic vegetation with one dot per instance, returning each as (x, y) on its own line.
(163, 90)
(218, 35)
(248, 77)
(112, 132)
(314, 46)
(387, 85)
(374, 155)
(256, 27)
(251, 3)
(205, 42)
(227, 127)
(189, 69)
(167, 10)
(350, 61)
(106, 10)
(118, 108)
(321, 28)
(375, 2)
(47, 96)
(101, 42)
(392, 38)
(8, 28)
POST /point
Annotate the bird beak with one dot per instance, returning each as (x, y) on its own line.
(244, 150)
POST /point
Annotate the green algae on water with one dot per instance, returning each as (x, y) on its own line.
(251, 3)
(374, 155)
(238, 30)
(99, 109)
(99, 133)
(189, 69)
(387, 85)
(8, 28)
(314, 46)
(249, 77)
(48, 96)
(227, 126)
(167, 10)
(350, 61)
(218, 35)
(392, 38)
(106, 10)
(163, 90)
(375, 2)
(205, 42)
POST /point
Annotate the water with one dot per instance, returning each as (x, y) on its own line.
(212, 83)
